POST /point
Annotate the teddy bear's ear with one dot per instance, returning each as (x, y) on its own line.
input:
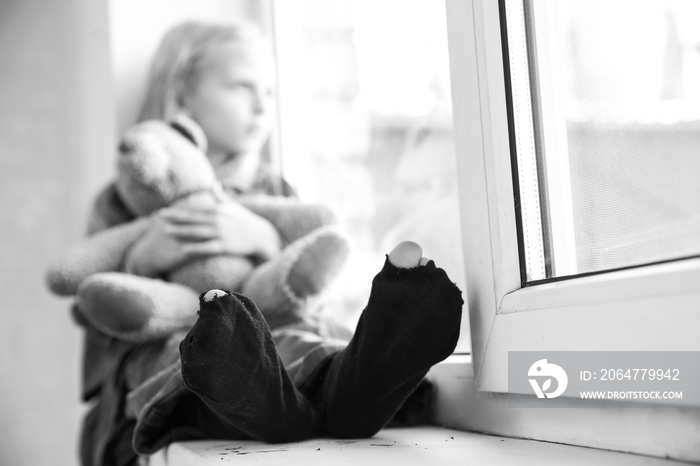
(189, 129)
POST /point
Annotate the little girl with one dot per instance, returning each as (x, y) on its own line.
(230, 376)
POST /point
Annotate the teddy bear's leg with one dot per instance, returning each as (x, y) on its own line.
(133, 308)
(411, 322)
(102, 252)
(282, 285)
(230, 362)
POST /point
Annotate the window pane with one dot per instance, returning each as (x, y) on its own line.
(616, 104)
(366, 124)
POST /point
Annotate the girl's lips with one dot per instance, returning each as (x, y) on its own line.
(254, 129)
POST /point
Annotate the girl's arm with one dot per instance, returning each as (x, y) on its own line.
(181, 233)
(224, 228)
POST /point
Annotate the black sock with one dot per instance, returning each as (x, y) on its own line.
(230, 362)
(411, 322)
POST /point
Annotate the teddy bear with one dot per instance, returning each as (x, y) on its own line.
(164, 163)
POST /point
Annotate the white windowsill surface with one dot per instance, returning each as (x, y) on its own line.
(659, 432)
(405, 446)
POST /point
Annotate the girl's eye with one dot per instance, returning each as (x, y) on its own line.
(250, 87)
(236, 85)
(241, 87)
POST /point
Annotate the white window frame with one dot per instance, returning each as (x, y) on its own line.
(652, 308)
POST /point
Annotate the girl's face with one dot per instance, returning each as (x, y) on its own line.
(230, 96)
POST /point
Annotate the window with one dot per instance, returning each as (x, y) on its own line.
(366, 125)
(653, 306)
(607, 132)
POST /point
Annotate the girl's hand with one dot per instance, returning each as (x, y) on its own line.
(156, 252)
(223, 228)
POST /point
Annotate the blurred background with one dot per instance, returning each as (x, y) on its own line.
(365, 124)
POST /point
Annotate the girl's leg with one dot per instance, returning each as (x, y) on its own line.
(411, 322)
(229, 361)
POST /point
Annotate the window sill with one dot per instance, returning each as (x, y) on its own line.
(407, 446)
(662, 432)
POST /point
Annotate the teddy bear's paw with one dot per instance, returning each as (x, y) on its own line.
(108, 304)
(135, 308)
(318, 262)
(283, 286)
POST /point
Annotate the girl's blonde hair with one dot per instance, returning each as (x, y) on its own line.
(177, 58)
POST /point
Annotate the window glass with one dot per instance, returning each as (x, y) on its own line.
(614, 120)
(366, 125)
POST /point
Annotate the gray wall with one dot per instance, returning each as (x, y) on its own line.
(56, 120)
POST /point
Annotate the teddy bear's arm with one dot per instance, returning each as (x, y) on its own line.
(102, 252)
(107, 211)
(292, 218)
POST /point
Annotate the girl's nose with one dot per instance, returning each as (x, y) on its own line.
(261, 100)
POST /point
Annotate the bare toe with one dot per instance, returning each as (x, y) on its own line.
(407, 255)
(211, 294)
